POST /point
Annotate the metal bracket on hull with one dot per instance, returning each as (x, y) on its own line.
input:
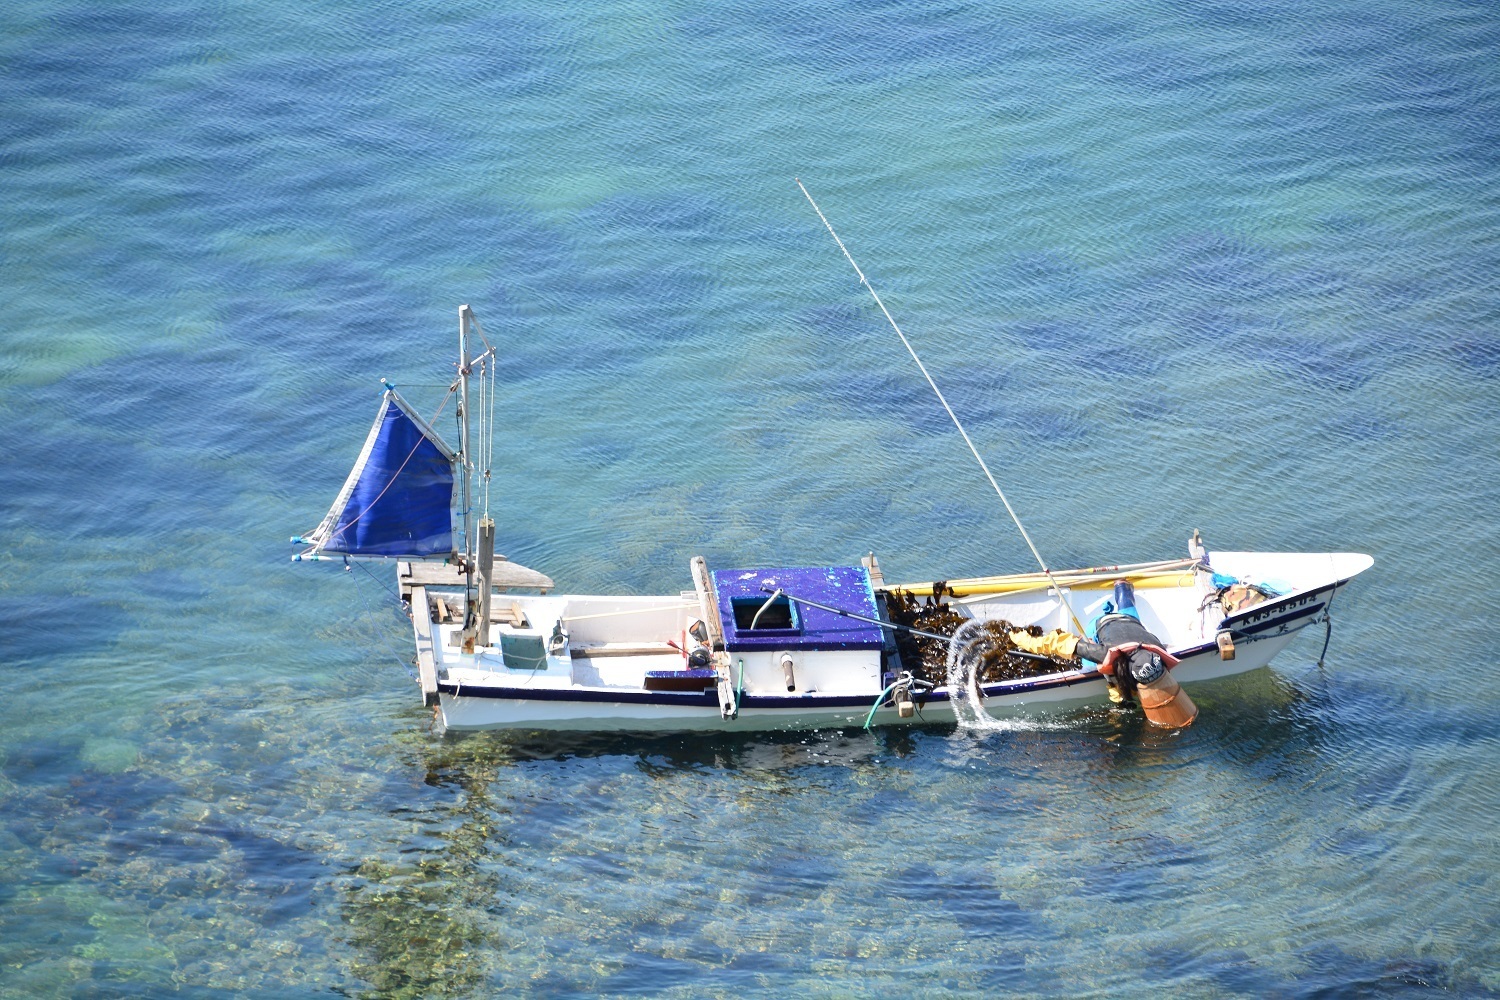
(728, 707)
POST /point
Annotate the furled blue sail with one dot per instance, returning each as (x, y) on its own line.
(398, 500)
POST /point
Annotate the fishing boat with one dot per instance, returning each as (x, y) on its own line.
(755, 648)
(784, 647)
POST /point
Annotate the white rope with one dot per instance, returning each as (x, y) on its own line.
(484, 460)
(629, 611)
(487, 361)
(938, 392)
(486, 413)
(479, 457)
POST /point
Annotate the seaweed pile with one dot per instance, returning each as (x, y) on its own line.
(927, 658)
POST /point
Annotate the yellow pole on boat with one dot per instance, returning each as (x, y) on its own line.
(1157, 579)
(1123, 571)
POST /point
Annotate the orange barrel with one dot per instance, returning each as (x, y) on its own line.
(1165, 703)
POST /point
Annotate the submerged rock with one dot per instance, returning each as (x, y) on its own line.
(109, 756)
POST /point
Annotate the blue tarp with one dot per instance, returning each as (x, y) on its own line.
(397, 501)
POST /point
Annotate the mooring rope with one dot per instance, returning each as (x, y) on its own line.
(487, 393)
(1328, 627)
(938, 392)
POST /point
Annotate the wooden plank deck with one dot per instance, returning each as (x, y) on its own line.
(506, 576)
(415, 577)
(421, 619)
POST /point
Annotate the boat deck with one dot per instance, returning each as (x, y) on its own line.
(506, 576)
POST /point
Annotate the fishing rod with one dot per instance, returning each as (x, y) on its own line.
(778, 592)
(953, 416)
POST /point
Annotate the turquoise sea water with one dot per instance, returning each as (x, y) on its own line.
(1218, 266)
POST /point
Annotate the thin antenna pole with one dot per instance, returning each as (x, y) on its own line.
(953, 416)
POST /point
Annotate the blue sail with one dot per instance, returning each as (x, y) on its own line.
(398, 499)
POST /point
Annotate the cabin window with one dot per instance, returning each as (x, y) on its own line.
(781, 616)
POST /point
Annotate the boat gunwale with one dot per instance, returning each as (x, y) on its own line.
(1267, 616)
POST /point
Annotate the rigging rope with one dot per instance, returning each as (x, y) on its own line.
(384, 640)
(491, 366)
(484, 438)
(467, 461)
(938, 392)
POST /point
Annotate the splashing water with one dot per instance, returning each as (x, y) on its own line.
(966, 651)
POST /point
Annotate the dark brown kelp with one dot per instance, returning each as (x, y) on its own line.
(927, 658)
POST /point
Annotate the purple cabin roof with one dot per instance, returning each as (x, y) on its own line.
(844, 587)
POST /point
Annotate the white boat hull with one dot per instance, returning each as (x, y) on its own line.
(502, 700)
(819, 651)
